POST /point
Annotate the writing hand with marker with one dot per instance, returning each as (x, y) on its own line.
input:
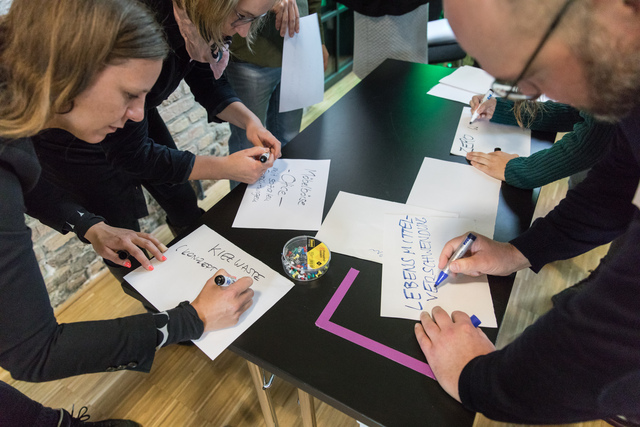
(485, 109)
(486, 256)
(449, 343)
(220, 307)
(109, 241)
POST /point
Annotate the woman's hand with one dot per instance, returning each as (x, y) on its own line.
(486, 110)
(221, 307)
(107, 241)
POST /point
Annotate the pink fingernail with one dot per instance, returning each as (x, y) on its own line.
(150, 268)
(164, 258)
(127, 264)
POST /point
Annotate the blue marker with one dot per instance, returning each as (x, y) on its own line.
(223, 280)
(459, 253)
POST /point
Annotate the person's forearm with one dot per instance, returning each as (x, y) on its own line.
(209, 167)
(239, 115)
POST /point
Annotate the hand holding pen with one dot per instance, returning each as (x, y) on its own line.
(483, 106)
(220, 306)
(487, 257)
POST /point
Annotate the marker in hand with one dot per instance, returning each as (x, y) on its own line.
(487, 96)
(223, 281)
(459, 253)
(265, 157)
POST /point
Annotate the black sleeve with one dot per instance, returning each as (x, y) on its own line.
(56, 208)
(578, 362)
(383, 7)
(597, 211)
(214, 95)
(130, 149)
(33, 346)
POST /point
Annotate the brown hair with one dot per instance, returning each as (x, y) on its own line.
(50, 51)
(209, 17)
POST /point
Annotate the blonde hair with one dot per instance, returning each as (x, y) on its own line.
(50, 51)
(210, 16)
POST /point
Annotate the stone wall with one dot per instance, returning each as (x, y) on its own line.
(65, 262)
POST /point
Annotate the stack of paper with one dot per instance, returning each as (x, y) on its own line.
(463, 84)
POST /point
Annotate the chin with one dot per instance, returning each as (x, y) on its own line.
(94, 138)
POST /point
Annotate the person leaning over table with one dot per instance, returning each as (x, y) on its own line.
(79, 81)
(585, 143)
(105, 179)
(581, 360)
(254, 71)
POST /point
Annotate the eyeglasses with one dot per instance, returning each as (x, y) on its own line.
(510, 90)
(243, 20)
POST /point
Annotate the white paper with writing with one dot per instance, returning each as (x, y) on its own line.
(289, 196)
(302, 78)
(412, 245)
(485, 137)
(354, 225)
(454, 187)
(190, 263)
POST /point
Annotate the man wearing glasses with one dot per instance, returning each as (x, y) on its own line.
(580, 361)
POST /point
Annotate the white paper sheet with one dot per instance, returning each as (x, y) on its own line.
(412, 245)
(190, 263)
(354, 225)
(302, 78)
(484, 136)
(452, 93)
(289, 196)
(454, 187)
(469, 78)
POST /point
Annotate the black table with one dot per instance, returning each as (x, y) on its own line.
(376, 137)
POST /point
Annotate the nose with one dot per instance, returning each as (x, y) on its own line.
(135, 110)
(243, 29)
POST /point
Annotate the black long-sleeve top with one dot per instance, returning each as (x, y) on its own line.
(128, 150)
(581, 360)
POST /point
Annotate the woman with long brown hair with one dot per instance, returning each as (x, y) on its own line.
(83, 67)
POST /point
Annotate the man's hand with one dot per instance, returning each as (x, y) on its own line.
(486, 257)
(493, 164)
(221, 307)
(287, 17)
(449, 343)
(107, 241)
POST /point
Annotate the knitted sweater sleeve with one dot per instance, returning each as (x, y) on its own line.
(575, 152)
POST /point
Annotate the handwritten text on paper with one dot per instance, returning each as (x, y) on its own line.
(289, 196)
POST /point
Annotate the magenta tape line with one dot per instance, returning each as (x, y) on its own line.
(325, 323)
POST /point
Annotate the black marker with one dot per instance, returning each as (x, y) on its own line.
(265, 157)
(223, 280)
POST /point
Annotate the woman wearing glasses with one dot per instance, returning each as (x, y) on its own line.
(106, 178)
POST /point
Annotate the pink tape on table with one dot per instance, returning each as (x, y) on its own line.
(324, 322)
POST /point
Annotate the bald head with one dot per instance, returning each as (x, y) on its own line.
(582, 55)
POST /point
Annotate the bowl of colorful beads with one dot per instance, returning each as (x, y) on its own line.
(305, 258)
